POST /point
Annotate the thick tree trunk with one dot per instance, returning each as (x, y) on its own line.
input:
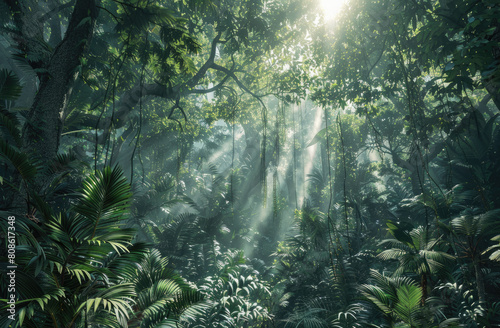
(493, 89)
(42, 130)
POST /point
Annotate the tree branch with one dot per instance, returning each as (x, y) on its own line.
(212, 89)
(55, 10)
(238, 82)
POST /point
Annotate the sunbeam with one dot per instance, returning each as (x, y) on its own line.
(311, 151)
(331, 8)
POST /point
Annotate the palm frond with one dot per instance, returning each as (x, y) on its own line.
(114, 299)
(18, 159)
(408, 305)
(10, 88)
(104, 200)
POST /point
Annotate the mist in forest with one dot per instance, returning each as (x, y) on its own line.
(249, 163)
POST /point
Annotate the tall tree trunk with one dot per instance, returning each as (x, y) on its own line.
(42, 130)
(424, 286)
(479, 279)
(492, 83)
(493, 88)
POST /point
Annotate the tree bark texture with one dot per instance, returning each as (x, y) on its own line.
(479, 279)
(42, 130)
(492, 83)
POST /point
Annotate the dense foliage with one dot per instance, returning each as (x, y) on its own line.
(250, 163)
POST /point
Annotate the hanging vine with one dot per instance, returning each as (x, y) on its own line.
(276, 161)
(331, 225)
(346, 217)
(263, 157)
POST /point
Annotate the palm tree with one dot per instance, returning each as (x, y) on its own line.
(385, 295)
(62, 275)
(82, 268)
(400, 299)
(472, 231)
(416, 252)
(162, 297)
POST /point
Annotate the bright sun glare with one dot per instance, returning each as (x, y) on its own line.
(331, 8)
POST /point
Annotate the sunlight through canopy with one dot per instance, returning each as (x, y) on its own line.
(331, 8)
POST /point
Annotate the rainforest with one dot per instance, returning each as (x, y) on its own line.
(249, 163)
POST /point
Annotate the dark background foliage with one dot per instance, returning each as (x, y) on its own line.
(216, 163)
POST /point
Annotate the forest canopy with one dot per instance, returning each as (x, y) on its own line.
(250, 163)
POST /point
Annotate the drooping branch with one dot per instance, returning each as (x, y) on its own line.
(131, 98)
(208, 64)
(396, 159)
(238, 82)
(212, 89)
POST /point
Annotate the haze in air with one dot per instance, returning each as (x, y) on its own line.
(249, 163)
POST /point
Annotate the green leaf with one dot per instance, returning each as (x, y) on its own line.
(408, 305)
(10, 88)
(319, 137)
(400, 232)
